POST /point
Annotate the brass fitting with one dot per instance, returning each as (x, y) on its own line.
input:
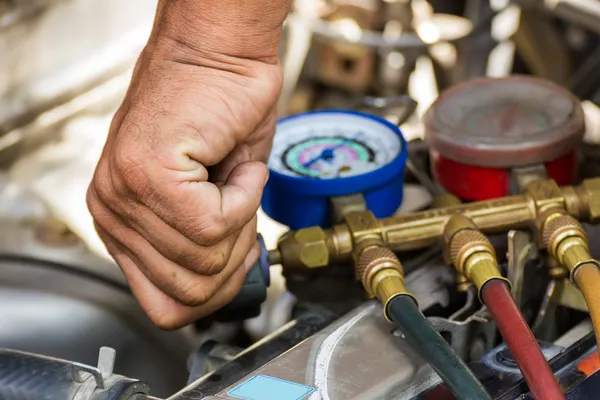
(589, 195)
(567, 242)
(304, 248)
(316, 247)
(377, 267)
(365, 234)
(382, 275)
(445, 199)
(470, 251)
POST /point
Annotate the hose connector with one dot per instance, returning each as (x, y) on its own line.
(382, 275)
(470, 252)
(567, 242)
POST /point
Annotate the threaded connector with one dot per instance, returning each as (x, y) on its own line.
(372, 259)
(465, 243)
(382, 275)
(470, 251)
(366, 245)
(567, 242)
(558, 226)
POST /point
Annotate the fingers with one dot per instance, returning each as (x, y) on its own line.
(184, 199)
(261, 140)
(220, 172)
(242, 193)
(189, 286)
(253, 256)
(142, 221)
(164, 311)
(241, 183)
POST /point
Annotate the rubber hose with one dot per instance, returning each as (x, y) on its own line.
(435, 350)
(520, 341)
(587, 278)
(30, 377)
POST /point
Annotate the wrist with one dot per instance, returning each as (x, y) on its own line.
(186, 30)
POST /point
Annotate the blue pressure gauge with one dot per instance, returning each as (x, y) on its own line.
(322, 154)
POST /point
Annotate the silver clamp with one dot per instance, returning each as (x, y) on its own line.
(104, 370)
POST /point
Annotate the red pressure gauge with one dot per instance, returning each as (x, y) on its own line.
(478, 131)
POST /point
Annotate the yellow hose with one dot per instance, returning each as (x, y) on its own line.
(587, 277)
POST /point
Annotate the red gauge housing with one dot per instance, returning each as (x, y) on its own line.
(480, 130)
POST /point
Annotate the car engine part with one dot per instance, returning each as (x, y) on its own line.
(438, 246)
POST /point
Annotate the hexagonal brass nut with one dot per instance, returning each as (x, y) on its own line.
(305, 248)
(591, 188)
(313, 251)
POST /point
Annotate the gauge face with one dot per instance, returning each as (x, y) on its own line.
(329, 145)
(504, 122)
(507, 112)
(507, 119)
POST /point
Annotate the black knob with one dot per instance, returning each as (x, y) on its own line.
(252, 294)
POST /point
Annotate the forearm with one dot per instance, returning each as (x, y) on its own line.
(246, 29)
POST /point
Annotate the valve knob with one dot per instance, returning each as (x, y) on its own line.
(253, 292)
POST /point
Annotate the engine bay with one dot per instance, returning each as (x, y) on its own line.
(416, 243)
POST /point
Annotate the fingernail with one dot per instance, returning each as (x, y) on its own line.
(267, 177)
(252, 257)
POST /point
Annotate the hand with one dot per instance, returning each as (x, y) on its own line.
(175, 193)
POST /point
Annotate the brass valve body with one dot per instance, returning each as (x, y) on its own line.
(470, 251)
(422, 229)
(567, 242)
(381, 274)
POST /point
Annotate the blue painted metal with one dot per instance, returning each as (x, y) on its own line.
(300, 202)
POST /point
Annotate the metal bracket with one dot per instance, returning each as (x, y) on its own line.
(569, 296)
(520, 177)
(521, 249)
(104, 370)
(546, 311)
(471, 337)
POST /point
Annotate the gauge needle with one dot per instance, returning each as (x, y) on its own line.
(327, 154)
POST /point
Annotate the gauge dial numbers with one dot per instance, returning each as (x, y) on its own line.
(332, 145)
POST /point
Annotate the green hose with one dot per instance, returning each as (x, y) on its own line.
(435, 350)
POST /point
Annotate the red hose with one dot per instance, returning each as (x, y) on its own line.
(520, 341)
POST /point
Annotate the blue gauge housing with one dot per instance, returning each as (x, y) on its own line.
(300, 202)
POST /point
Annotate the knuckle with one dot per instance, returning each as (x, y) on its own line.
(210, 230)
(101, 187)
(130, 169)
(214, 263)
(196, 293)
(191, 298)
(95, 207)
(103, 193)
(165, 321)
(91, 201)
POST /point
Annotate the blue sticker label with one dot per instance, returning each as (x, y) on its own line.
(262, 387)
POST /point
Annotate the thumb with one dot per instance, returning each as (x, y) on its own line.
(242, 192)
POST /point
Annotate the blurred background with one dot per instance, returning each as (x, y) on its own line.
(64, 68)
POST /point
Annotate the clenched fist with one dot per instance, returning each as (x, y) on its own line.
(175, 193)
